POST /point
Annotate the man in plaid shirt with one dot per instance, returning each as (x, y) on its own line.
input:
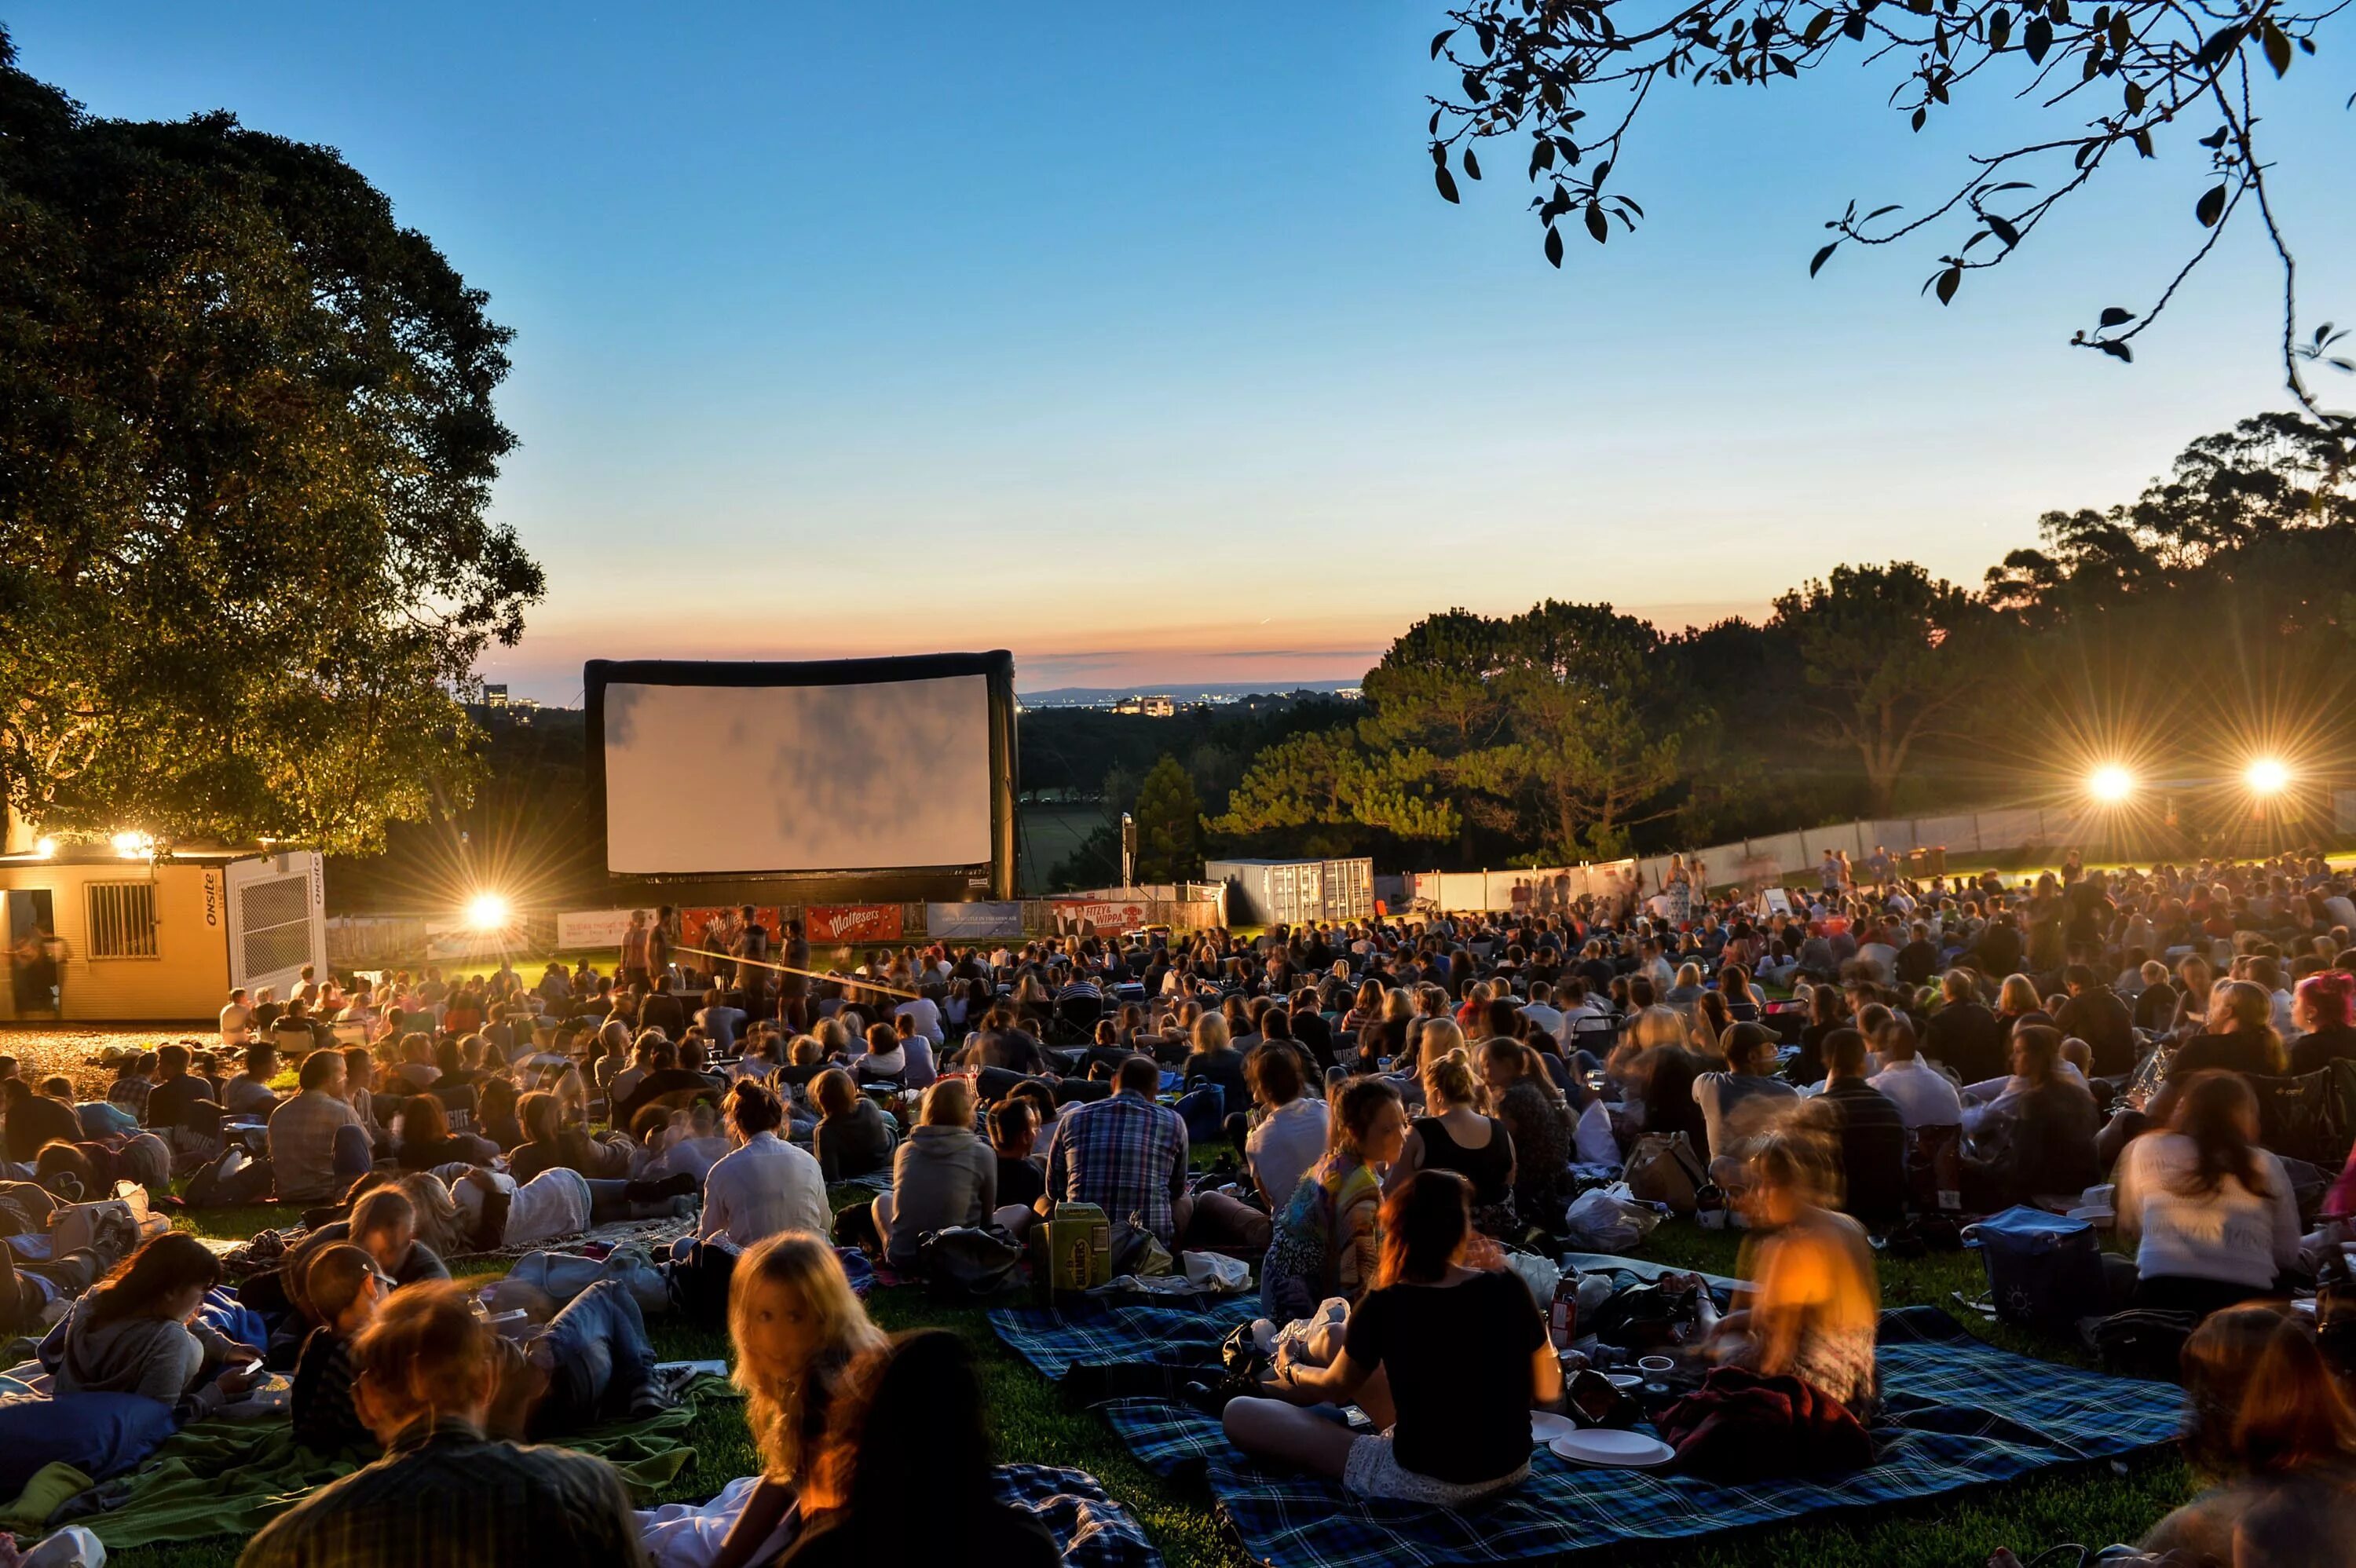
(1126, 1154)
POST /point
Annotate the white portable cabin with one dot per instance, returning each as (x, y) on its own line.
(139, 939)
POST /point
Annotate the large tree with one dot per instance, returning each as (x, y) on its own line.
(1893, 658)
(1575, 82)
(1169, 826)
(247, 443)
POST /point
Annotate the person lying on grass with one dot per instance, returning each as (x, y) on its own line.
(1447, 1361)
(592, 1362)
(427, 1368)
(134, 1332)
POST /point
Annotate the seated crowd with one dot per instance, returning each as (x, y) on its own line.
(1394, 1104)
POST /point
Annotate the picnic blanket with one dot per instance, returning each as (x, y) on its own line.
(1104, 1330)
(227, 1478)
(1090, 1530)
(1956, 1413)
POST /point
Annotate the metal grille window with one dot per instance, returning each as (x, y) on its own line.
(123, 920)
(275, 916)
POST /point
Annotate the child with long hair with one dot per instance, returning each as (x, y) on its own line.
(797, 1327)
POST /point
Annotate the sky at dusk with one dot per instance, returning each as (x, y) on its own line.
(1136, 340)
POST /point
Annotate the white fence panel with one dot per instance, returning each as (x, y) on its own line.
(1897, 836)
(1957, 835)
(2011, 829)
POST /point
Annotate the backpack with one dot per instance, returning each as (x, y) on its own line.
(1664, 1168)
(233, 1177)
(1204, 1109)
(2043, 1272)
(2142, 1343)
(961, 1263)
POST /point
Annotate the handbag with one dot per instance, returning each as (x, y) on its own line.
(1664, 1168)
(2043, 1272)
(963, 1262)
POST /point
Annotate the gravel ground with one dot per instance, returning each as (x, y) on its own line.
(73, 1050)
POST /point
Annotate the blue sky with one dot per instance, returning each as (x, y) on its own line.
(1137, 341)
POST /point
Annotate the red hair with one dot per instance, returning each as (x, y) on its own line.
(2330, 998)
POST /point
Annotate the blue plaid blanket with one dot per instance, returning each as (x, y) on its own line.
(1093, 1530)
(1956, 1413)
(1099, 1332)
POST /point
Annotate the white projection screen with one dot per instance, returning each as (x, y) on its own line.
(714, 770)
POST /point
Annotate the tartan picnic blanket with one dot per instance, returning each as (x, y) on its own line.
(1100, 1332)
(1956, 1413)
(1091, 1529)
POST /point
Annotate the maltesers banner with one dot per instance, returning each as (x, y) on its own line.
(853, 923)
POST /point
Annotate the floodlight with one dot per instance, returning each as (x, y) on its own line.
(2266, 776)
(45, 848)
(487, 911)
(2111, 783)
(131, 845)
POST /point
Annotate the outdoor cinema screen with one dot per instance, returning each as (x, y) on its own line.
(865, 764)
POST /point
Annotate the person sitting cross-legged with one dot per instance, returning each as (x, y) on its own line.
(427, 1368)
(1447, 1361)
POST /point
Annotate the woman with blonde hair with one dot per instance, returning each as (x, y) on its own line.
(2017, 1001)
(1456, 1134)
(1441, 1038)
(797, 1327)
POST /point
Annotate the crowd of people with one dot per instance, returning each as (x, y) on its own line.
(1394, 1105)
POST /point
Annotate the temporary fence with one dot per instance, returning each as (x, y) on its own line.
(1919, 845)
(370, 941)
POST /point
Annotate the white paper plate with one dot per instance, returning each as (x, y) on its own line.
(1624, 1380)
(1545, 1426)
(1613, 1450)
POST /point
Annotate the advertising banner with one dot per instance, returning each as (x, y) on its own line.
(580, 928)
(853, 922)
(716, 930)
(1098, 917)
(962, 921)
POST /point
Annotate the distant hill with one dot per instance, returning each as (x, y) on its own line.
(1083, 696)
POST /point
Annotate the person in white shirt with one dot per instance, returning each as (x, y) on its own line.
(237, 1019)
(2210, 1212)
(1290, 1136)
(1925, 1096)
(1540, 1009)
(926, 1013)
(764, 1185)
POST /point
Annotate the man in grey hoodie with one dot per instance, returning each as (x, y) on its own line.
(944, 1175)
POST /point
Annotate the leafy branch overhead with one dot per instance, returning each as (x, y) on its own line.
(247, 441)
(2114, 80)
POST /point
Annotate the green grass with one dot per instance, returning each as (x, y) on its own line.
(2096, 1506)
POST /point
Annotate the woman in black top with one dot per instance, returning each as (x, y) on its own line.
(1462, 1358)
(1455, 1136)
(2323, 1006)
(1827, 1010)
(851, 1138)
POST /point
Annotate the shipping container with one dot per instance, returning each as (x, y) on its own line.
(1293, 892)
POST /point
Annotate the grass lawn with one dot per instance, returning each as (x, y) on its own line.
(2106, 1503)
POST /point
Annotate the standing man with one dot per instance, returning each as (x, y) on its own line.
(662, 938)
(634, 952)
(751, 950)
(793, 986)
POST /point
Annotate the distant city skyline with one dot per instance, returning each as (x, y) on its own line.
(1150, 354)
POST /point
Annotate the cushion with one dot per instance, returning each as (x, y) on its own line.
(100, 1434)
